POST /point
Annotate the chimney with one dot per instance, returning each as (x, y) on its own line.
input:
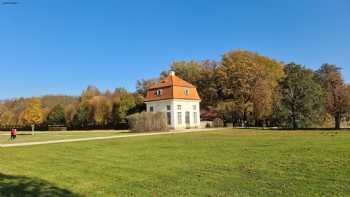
(172, 73)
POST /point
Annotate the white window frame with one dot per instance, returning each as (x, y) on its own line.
(178, 107)
(159, 92)
(195, 117)
(179, 118)
(187, 92)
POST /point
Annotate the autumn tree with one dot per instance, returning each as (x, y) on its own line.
(50, 101)
(33, 114)
(301, 98)
(227, 110)
(265, 89)
(139, 106)
(7, 118)
(102, 108)
(83, 116)
(122, 103)
(207, 84)
(82, 111)
(248, 80)
(70, 112)
(262, 101)
(89, 93)
(143, 84)
(337, 92)
(189, 71)
(202, 75)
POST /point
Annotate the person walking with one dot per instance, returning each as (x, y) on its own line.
(13, 134)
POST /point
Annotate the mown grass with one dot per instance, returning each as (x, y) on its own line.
(215, 163)
(59, 135)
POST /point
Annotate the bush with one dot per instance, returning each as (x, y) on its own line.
(56, 116)
(148, 121)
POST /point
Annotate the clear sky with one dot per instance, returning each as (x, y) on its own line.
(62, 46)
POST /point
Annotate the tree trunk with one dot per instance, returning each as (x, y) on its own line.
(295, 125)
(245, 118)
(257, 122)
(337, 119)
(294, 118)
(233, 119)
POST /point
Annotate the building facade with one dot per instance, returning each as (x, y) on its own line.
(178, 99)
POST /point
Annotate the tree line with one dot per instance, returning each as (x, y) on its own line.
(91, 110)
(248, 89)
(243, 88)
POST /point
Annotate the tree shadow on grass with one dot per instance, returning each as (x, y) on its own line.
(25, 186)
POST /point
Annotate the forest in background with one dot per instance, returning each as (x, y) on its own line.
(243, 88)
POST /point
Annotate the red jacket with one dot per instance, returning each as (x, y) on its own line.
(14, 132)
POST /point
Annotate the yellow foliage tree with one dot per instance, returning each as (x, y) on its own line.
(102, 108)
(249, 81)
(33, 113)
(7, 118)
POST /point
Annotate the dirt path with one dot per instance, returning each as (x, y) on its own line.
(103, 138)
(78, 131)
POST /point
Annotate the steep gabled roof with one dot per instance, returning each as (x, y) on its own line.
(172, 87)
(171, 80)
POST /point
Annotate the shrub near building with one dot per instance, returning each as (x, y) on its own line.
(148, 121)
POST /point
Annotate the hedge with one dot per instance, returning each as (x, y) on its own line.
(148, 121)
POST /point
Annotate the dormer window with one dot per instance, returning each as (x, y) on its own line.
(187, 92)
(159, 92)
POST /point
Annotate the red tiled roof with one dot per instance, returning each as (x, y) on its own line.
(171, 80)
(172, 87)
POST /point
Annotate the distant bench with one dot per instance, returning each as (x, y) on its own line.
(57, 128)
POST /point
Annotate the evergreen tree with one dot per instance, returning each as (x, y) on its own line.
(56, 116)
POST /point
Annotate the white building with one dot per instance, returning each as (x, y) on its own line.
(178, 99)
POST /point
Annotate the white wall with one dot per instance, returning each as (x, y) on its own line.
(186, 106)
(161, 106)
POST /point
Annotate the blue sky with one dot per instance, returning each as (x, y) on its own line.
(62, 46)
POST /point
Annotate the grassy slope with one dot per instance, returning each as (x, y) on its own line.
(223, 163)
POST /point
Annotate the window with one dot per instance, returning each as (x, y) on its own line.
(179, 107)
(179, 117)
(159, 92)
(187, 92)
(194, 107)
(151, 109)
(187, 118)
(195, 117)
(168, 116)
(168, 107)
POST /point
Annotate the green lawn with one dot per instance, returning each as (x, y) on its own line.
(61, 135)
(215, 163)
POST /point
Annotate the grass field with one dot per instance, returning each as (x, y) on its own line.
(215, 163)
(46, 136)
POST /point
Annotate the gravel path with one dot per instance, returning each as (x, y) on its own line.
(103, 138)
